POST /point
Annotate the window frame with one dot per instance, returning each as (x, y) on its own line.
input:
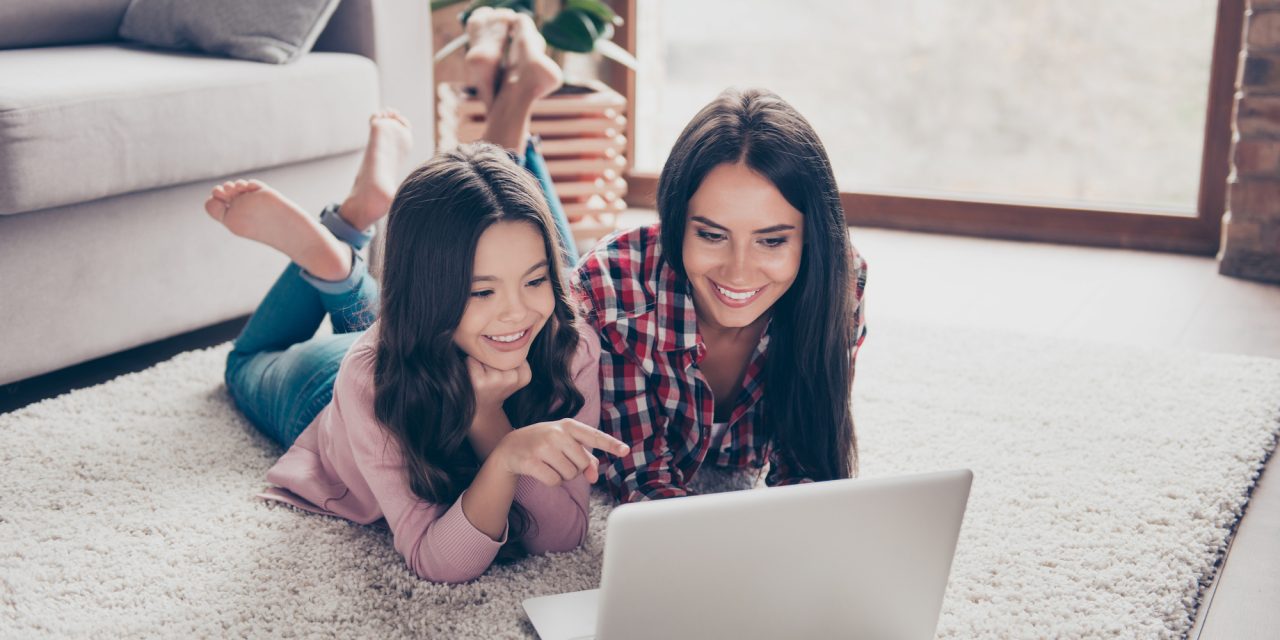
(1016, 219)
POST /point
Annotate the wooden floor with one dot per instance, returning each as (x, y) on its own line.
(1107, 295)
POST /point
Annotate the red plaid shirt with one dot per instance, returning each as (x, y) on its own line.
(652, 394)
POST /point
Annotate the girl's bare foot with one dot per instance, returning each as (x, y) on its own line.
(487, 33)
(531, 69)
(251, 209)
(532, 74)
(390, 140)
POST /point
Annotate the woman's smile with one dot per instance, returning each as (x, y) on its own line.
(736, 298)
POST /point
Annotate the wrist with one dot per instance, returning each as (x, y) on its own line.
(498, 459)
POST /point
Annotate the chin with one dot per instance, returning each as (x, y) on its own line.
(506, 361)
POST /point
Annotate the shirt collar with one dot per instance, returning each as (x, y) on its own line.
(676, 318)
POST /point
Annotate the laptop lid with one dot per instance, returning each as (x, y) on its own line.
(859, 558)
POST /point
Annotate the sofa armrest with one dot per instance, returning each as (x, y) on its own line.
(396, 35)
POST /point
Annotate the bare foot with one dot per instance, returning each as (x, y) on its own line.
(531, 69)
(251, 209)
(531, 74)
(487, 33)
(390, 139)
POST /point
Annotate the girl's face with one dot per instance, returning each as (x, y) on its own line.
(742, 246)
(511, 296)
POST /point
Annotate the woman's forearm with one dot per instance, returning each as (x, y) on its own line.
(488, 427)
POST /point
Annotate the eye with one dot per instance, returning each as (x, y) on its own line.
(774, 243)
(484, 293)
(537, 282)
(709, 236)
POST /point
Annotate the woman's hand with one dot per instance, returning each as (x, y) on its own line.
(556, 452)
(493, 386)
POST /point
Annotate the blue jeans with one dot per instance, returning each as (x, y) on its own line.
(279, 372)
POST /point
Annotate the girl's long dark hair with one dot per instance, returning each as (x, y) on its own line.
(422, 391)
(808, 375)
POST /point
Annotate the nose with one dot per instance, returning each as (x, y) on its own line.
(513, 309)
(739, 261)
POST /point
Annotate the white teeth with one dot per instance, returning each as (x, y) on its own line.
(508, 338)
(737, 296)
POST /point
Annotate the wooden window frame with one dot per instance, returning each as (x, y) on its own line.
(1135, 228)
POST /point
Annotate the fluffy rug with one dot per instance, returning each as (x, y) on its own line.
(1107, 483)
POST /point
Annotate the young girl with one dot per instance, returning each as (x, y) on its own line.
(731, 327)
(465, 414)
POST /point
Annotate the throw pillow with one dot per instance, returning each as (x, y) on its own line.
(276, 31)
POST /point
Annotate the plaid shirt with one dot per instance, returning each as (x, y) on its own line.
(652, 394)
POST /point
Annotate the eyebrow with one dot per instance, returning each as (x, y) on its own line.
(774, 229)
(494, 279)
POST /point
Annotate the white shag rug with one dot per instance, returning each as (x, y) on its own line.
(1107, 482)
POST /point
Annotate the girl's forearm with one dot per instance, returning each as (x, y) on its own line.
(487, 501)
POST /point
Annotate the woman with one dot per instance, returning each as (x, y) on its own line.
(730, 328)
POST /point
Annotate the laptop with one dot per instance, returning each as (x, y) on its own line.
(858, 558)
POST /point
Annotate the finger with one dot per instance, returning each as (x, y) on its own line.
(475, 368)
(563, 466)
(592, 472)
(595, 439)
(545, 474)
(524, 374)
(579, 456)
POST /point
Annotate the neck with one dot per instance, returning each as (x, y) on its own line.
(715, 332)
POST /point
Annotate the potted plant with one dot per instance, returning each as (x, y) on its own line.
(569, 26)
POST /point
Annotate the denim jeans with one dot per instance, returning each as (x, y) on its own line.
(279, 372)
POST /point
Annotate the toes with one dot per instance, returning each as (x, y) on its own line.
(216, 208)
(255, 185)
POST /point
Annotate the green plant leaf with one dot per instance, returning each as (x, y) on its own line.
(571, 30)
(600, 12)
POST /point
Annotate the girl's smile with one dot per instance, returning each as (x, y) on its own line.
(512, 341)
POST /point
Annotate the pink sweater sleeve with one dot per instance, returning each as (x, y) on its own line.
(560, 513)
(437, 541)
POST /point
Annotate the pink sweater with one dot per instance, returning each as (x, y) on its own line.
(345, 464)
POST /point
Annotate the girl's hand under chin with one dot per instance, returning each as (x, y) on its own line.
(493, 386)
(556, 452)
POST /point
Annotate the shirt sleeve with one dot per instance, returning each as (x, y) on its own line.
(631, 413)
(437, 541)
(781, 473)
(858, 273)
(561, 514)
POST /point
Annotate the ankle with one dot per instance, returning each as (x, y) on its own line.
(329, 260)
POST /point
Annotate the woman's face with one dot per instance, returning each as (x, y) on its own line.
(742, 246)
(511, 296)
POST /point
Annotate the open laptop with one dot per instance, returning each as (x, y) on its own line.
(860, 558)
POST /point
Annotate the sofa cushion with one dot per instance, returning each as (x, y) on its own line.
(275, 32)
(36, 23)
(85, 122)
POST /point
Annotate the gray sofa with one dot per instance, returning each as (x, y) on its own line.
(108, 150)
